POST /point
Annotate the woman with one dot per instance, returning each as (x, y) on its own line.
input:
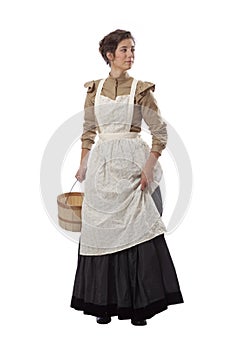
(124, 265)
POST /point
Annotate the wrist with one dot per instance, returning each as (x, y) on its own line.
(156, 154)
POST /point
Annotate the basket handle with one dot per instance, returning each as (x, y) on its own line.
(70, 191)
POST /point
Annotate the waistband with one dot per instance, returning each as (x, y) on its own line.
(118, 135)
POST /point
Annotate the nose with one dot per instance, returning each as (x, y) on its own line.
(130, 53)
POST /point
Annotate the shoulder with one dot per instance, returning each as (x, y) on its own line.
(92, 86)
(144, 93)
(143, 87)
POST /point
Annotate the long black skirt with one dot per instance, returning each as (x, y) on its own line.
(137, 282)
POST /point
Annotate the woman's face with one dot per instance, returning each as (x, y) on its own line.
(124, 55)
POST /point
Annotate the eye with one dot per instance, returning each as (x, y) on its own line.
(123, 50)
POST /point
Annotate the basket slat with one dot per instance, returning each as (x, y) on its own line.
(70, 211)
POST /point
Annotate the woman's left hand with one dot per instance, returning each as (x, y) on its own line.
(146, 178)
(147, 173)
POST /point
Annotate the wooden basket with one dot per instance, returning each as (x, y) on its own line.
(70, 211)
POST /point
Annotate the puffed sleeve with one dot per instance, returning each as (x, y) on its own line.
(151, 115)
(89, 125)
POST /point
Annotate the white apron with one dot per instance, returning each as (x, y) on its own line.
(116, 213)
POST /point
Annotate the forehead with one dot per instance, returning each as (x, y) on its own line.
(126, 42)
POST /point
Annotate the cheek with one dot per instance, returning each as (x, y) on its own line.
(119, 55)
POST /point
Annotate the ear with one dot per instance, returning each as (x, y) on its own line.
(110, 56)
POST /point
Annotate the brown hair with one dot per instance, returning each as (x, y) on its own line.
(110, 42)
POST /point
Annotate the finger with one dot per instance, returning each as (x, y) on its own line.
(78, 177)
(143, 185)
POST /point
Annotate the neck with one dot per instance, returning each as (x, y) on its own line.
(115, 73)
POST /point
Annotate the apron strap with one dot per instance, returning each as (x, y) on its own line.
(98, 92)
(131, 102)
(132, 91)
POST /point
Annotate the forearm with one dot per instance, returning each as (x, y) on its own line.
(84, 156)
(156, 154)
(152, 160)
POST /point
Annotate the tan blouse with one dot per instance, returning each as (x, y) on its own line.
(145, 107)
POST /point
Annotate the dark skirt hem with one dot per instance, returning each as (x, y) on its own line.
(127, 313)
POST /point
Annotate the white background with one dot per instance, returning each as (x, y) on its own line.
(48, 50)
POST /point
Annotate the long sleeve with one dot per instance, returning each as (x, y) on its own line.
(152, 117)
(89, 125)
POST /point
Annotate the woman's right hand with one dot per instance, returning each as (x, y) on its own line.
(81, 173)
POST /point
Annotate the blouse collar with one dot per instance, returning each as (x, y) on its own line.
(123, 76)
